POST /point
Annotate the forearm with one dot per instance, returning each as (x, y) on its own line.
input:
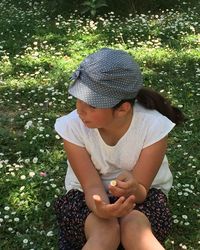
(89, 193)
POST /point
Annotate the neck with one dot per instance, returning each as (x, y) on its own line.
(112, 134)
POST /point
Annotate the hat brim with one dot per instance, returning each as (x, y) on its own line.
(87, 95)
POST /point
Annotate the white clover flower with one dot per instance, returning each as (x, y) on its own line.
(6, 208)
(183, 246)
(57, 137)
(31, 174)
(27, 160)
(184, 216)
(22, 177)
(50, 233)
(176, 221)
(28, 124)
(41, 129)
(25, 241)
(48, 204)
(35, 160)
(21, 188)
(16, 219)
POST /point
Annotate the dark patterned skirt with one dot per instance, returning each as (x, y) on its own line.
(71, 211)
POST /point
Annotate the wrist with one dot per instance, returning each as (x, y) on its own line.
(140, 193)
(102, 215)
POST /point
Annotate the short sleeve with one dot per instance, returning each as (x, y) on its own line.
(68, 127)
(158, 129)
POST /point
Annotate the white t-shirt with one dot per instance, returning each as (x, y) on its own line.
(147, 127)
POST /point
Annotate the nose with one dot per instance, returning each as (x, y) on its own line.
(80, 112)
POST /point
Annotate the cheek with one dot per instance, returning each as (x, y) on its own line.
(103, 118)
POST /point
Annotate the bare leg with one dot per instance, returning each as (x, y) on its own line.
(101, 234)
(136, 233)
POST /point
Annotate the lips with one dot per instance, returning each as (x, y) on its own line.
(84, 121)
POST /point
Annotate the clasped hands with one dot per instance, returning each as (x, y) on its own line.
(125, 188)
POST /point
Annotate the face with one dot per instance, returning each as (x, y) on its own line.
(94, 117)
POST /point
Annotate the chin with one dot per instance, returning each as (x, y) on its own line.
(89, 125)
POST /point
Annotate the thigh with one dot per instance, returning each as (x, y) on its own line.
(71, 211)
(156, 208)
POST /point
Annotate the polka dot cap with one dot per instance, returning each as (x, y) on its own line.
(105, 78)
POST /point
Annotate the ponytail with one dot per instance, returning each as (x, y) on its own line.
(152, 100)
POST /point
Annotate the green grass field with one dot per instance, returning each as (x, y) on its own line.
(38, 53)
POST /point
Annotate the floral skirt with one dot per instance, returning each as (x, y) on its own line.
(71, 211)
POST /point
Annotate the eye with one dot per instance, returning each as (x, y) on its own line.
(92, 107)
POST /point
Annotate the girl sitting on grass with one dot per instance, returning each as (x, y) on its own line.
(118, 176)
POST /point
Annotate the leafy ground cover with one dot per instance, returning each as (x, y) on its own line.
(38, 54)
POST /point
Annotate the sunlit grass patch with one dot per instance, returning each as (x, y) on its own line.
(38, 55)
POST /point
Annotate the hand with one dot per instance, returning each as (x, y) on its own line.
(118, 209)
(126, 185)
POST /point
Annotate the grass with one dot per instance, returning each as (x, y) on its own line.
(38, 54)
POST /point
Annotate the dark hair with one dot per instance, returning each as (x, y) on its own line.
(151, 99)
(131, 101)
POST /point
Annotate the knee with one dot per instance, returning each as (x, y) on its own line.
(112, 230)
(132, 226)
(135, 220)
(108, 237)
(108, 231)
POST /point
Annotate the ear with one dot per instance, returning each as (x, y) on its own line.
(124, 108)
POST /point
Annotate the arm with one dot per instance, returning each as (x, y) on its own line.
(85, 172)
(95, 194)
(140, 179)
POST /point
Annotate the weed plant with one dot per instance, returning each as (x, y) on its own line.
(38, 54)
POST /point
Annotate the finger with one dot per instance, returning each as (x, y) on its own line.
(130, 202)
(116, 191)
(123, 184)
(126, 207)
(97, 199)
(118, 203)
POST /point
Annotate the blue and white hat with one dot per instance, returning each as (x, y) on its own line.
(105, 78)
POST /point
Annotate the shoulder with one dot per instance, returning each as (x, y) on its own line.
(72, 116)
(70, 120)
(151, 116)
(71, 128)
(152, 125)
